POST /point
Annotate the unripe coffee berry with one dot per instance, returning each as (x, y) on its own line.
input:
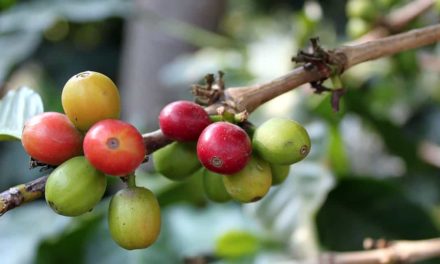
(89, 97)
(134, 218)
(250, 184)
(75, 187)
(177, 161)
(214, 187)
(281, 141)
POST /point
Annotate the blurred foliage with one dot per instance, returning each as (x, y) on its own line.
(372, 170)
(236, 244)
(371, 211)
(15, 108)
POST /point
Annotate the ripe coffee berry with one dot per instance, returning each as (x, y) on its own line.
(183, 120)
(51, 138)
(114, 147)
(224, 148)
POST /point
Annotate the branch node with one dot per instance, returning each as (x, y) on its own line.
(211, 92)
(328, 64)
(33, 163)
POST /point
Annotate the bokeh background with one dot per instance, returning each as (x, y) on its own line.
(374, 166)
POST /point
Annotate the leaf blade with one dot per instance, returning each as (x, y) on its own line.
(15, 108)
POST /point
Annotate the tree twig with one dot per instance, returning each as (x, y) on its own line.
(397, 20)
(386, 252)
(249, 98)
(400, 17)
(397, 252)
(21, 194)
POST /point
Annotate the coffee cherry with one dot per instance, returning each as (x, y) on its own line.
(75, 187)
(89, 97)
(214, 187)
(134, 218)
(183, 120)
(224, 148)
(356, 27)
(251, 183)
(281, 141)
(51, 138)
(114, 147)
(177, 161)
(279, 173)
(361, 9)
(386, 4)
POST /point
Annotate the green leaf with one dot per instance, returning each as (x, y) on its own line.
(235, 244)
(363, 207)
(15, 108)
(36, 16)
(336, 152)
(291, 206)
(69, 246)
(23, 228)
(15, 47)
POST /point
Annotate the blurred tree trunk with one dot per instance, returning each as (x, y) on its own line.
(147, 48)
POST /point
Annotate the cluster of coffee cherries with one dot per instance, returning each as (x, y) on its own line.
(238, 161)
(88, 142)
(85, 144)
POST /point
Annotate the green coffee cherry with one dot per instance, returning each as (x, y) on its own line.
(134, 218)
(356, 27)
(251, 183)
(279, 173)
(437, 5)
(75, 187)
(361, 9)
(177, 161)
(281, 141)
(214, 188)
(384, 4)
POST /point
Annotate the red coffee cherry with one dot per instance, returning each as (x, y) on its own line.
(114, 147)
(224, 148)
(183, 120)
(51, 138)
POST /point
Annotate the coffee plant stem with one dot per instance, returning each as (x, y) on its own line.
(131, 181)
(22, 193)
(395, 252)
(397, 19)
(251, 97)
(392, 252)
